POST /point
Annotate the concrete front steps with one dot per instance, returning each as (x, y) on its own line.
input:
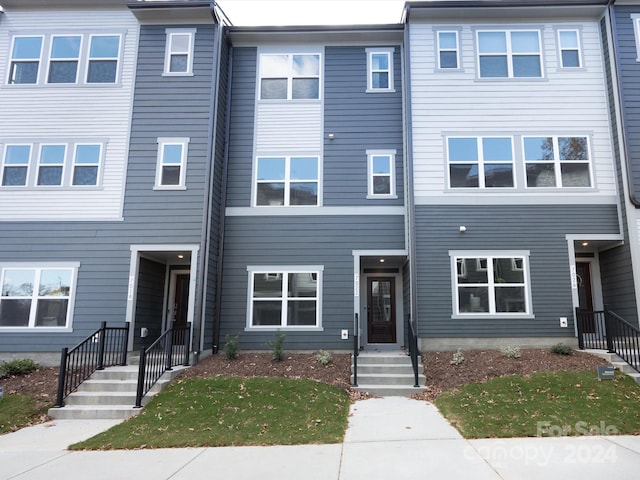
(109, 394)
(617, 362)
(387, 374)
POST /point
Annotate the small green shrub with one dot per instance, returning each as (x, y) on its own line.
(458, 358)
(323, 357)
(18, 367)
(231, 346)
(277, 346)
(561, 349)
(511, 352)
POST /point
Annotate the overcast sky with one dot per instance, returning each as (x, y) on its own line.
(312, 12)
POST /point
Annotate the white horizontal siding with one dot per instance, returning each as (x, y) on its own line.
(457, 102)
(69, 113)
(290, 125)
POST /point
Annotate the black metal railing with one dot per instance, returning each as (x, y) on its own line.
(169, 350)
(414, 353)
(623, 338)
(591, 329)
(356, 350)
(106, 347)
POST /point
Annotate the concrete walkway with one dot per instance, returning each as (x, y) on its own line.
(387, 438)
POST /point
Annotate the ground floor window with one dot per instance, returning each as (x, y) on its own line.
(284, 297)
(490, 283)
(35, 297)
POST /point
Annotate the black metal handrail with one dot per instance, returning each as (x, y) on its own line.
(623, 338)
(169, 350)
(591, 329)
(414, 353)
(106, 347)
(356, 350)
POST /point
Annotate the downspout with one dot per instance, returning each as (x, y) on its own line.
(410, 199)
(223, 206)
(203, 263)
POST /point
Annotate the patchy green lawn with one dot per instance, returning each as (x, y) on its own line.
(544, 404)
(223, 411)
(17, 411)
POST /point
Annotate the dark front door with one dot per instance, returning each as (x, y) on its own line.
(585, 298)
(181, 300)
(381, 310)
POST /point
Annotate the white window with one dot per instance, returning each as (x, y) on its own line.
(50, 163)
(569, 43)
(381, 167)
(288, 297)
(380, 70)
(104, 52)
(290, 76)
(36, 296)
(502, 288)
(287, 181)
(25, 60)
(557, 161)
(64, 58)
(480, 162)
(172, 163)
(509, 54)
(448, 50)
(179, 51)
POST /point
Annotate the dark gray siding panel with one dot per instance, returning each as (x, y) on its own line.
(360, 121)
(318, 240)
(539, 229)
(149, 302)
(241, 127)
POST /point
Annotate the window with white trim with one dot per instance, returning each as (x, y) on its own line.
(557, 162)
(569, 45)
(64, 164)
(287, 76)
(381, 167)
(172, 163)
(68, 59)
(287, 181)
(36, 296)
(448, 50)
(480, 162)
(502, 288)
(179, 50)
(380, 70)
(26, 53)
(284, 298)
(509, 54)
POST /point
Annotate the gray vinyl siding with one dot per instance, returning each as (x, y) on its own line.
(539, 229)
(616, 267)
(360, 121)
(629, 73)
(288, 241)
(149, 302)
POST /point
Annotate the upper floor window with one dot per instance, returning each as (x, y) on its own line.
(50, 163)
(501, 287)
(35, 297)
(569, 43)
(25, 60)
(289, 76)
(171, 171)
(381, 167)
(380, 70)
(179, 51)
(67, 59)
(448, 56)
(557, 161)
(480, 162)
(509, 54)
(287, 181)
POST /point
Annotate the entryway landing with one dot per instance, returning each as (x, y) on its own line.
(385, 374)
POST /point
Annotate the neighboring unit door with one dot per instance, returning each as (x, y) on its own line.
(381, 310)
(585, 297)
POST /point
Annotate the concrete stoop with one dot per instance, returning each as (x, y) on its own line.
(109, 394)
(387, 374)
(617, 362)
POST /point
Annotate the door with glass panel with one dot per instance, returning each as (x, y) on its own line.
(381, 310)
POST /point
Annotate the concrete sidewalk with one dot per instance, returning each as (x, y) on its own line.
(389, 437)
